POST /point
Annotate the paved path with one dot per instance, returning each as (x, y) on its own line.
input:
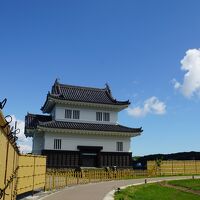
(97, 191)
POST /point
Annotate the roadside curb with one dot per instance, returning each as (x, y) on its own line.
(110, 195)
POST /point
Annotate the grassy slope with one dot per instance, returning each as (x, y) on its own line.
(193, 184)
(153, 192)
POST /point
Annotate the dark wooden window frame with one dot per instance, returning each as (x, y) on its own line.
(57, 144)
(106, 116)
(68, 113)
(99, 116)
(76, 114)
(119, 146)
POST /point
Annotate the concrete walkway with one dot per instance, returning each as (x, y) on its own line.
(97, 191)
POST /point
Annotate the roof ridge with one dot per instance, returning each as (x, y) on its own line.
(81, 87)
(106, 90)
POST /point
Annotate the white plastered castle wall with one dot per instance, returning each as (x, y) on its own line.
(86, 115)
(71, 141)
(38, 143)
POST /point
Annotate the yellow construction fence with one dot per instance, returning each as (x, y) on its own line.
(18, 173)
(173, 167)
(31, 173)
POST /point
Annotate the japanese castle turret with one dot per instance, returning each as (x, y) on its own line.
(79, 128)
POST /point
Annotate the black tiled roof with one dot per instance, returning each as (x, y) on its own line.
(83, 94)
(88, 126)
(32, 121)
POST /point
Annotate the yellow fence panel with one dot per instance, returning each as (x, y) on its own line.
(31, 173)
(174, 167)
(3, 154)
(18, 173)
(8, 162)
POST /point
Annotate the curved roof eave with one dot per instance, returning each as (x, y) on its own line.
(120, 105)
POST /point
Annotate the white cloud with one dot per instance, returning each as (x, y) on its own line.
(24, 143)
(191, 80)
(177, 85)
(25, 148)
(150, 106)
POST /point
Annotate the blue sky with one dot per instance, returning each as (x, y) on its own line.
(135, 46)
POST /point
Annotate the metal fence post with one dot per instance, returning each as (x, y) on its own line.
(53, 181)
(65, 178)
(77, 176)
(6, 166)
(13, 172)
(33, 176)
(89, 176)
(184, 167)
(196, 166)
(45, 179)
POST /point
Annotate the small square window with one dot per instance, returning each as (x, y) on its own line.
(106, 116)
(68, 113)
(119, 146)
(76, 114)
(99, 116)
(57, 143)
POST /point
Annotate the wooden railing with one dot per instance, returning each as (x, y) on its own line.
(56, 179)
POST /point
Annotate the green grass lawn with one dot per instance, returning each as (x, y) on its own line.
(153, 192)
(193, 184)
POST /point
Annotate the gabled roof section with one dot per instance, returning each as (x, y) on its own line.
(81, 94)
(32, 120)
